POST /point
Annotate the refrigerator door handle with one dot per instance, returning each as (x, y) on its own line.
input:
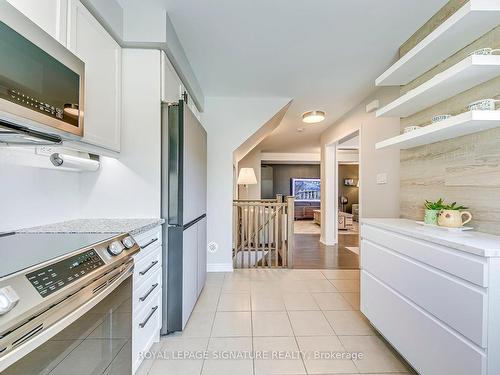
(193, 222)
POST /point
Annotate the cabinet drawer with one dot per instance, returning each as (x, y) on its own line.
(146, 290)
(146, 266)
(466, 266)
(459, 304)
(146, 329)
(149, 241)
(429, 346)
(144, 238)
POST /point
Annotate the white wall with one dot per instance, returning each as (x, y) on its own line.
(229, 122)
(130, 186)
(375, 200)
(32, 194)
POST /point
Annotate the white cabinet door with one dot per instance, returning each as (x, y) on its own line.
(102, 57)
(50, 15)
(202, 254)
(189, 272)
(171, 85)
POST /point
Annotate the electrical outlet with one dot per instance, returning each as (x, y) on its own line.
(381, 178)
(45, 150)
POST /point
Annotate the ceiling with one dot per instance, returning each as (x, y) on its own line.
(325, 54)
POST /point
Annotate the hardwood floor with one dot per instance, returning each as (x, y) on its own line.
(310, 253)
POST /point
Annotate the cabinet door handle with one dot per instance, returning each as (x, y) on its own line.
(153, 287)
(143, 324)
(142, 273)
(150, 242)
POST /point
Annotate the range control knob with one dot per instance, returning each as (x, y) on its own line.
(115, 248)
(8, 299)
(128, 242)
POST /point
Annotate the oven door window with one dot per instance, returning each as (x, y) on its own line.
(99, 342)
(32, 78)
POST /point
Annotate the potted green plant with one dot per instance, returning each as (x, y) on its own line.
(451, 216)
(432, 210)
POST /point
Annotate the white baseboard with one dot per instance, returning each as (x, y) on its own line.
(335, 242)
(220, 267)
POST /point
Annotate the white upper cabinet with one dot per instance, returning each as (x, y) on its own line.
(171, 85)
(102, 57)
(50, 15)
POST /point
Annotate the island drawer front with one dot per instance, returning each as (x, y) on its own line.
(429, 346)
(460, 305)
(466, 266)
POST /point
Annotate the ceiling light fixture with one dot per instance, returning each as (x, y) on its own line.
(313, 117)
(300, 130)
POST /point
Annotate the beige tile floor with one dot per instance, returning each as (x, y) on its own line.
(263, 322)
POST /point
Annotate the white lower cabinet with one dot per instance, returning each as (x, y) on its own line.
(438, 305)
(147, 296)
(427, 344)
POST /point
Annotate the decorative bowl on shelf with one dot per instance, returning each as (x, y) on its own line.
(483, 105)
(411, 128)
(439, 118)
(484, 51)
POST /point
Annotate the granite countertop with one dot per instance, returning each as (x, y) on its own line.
(478, 243)
(131, 226)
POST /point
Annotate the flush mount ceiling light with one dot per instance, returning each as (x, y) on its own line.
(300, 130)
(313, 117)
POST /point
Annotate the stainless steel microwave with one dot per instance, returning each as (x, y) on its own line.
(41, 82)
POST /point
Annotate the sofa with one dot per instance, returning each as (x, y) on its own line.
(305, 210)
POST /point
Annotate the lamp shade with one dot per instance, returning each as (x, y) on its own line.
(247, 177)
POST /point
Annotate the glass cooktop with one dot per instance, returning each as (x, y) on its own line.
(19, 251)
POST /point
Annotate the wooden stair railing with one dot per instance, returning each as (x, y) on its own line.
(263, 233)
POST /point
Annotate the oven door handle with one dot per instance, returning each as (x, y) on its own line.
(142, 273)
(153, 310)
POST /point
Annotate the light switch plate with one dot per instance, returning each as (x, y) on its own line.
(381, 178)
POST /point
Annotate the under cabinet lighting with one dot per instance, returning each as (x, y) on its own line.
(74, 162)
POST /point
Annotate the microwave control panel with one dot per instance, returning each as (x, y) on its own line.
(28, 101)
(49, 279)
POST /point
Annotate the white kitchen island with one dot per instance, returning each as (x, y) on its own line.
(433, 294)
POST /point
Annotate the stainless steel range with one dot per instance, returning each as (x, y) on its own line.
(65, 298)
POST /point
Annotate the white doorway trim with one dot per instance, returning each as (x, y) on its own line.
(330, 233)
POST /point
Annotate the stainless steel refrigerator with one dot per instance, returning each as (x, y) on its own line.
(184, 201)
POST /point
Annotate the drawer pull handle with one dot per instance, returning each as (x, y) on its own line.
(143, 324)
(153, 287)
(150, 242)
(142, 273)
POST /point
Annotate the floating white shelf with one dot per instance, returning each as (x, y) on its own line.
(470, 72)
(474, 19)
(456, 126)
